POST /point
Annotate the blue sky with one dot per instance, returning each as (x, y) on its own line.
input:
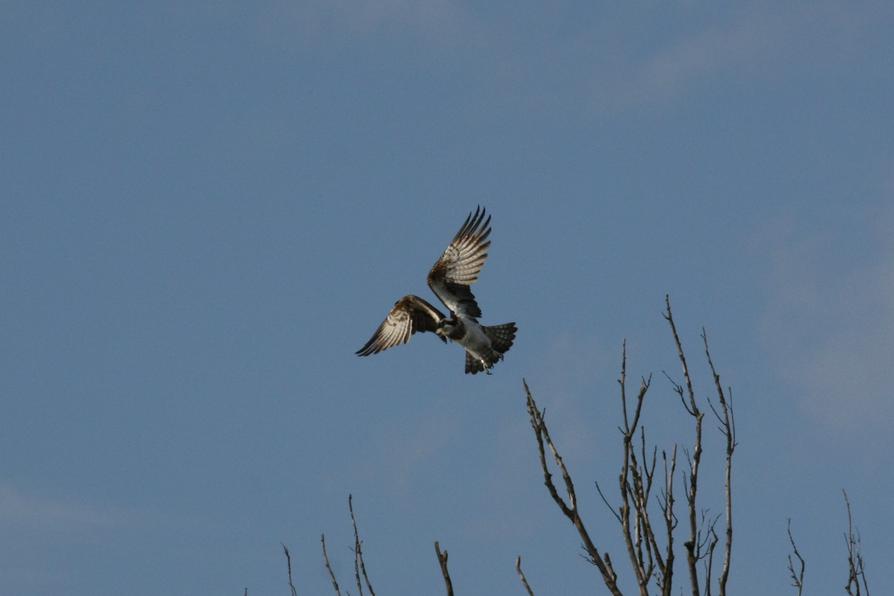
(207, 207)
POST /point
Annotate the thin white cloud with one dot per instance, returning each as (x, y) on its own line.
(829, 326)
(291, 23)
(591, 69)
(759, 41)
(30, 511)
(370, 14)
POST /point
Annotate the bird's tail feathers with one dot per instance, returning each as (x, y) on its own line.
(501, 336)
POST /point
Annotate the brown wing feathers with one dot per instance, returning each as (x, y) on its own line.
(462, 261)
(461, 264)
(409, 315)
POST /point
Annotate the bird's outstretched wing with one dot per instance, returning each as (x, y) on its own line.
(409, 315)
(459, 266)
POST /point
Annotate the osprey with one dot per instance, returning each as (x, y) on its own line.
(449, 279)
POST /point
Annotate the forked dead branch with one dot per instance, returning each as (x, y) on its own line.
(645, 511)
(796, 572)
(856, 579)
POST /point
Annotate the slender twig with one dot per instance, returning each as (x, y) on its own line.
(569, 508)
(692, 552)
(670, 523)
(521, 575)
(285, 550)
(328, 566)
(607, 504)
(856, 566)
(635, 483)
(358, 553)
(796, 576)
(726, 419)
(357, 581)
(442, 562)
(690, 392)
(711, 540)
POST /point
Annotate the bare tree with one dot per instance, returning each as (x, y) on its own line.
(569, 508)
(645, 509)
(727, 424)
(361, 578)
(359, 564)
(650, 550)
(856, 566)
(856, 578)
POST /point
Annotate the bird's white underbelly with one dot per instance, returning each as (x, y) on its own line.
(475, 340)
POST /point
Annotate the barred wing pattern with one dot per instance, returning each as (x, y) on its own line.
(409, 315)
(460, 265)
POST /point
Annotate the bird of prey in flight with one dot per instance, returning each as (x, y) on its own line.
(449, 279)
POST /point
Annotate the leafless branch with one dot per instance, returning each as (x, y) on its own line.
(285, 551)
(607, 504)
(328, 566)
(727, 421)
(689, 402)
(357, 580)
(710, 541)
(797, 576)
(359, 565)
(635, 483)
(569, 508)
(649, 558)
(442, 561)
(666, 502)
(692, 409)
(521, 575)
(855, 563)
